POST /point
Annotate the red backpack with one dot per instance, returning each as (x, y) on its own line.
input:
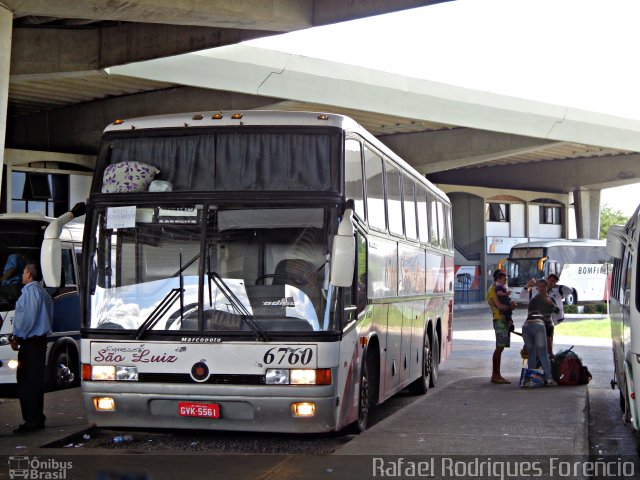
(568, 369)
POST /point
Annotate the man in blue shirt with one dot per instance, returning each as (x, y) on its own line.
(31, 324)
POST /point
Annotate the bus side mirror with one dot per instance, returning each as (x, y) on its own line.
(343, 252)
(615, 242)
(51, 253)
(51, 261)
(541, 263)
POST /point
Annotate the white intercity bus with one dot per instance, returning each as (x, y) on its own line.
(581, 265)
(259, 271)
(22, 234)
(622, 245)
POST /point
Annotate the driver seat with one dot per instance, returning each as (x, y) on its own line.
(300, 271)
(303, 275)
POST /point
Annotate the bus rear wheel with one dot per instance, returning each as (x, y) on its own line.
(421, 385)
(435, 364)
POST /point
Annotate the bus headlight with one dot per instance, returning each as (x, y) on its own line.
(13, 363)
(109, 373)
(277, 376)
(103, 372)
(283, 376)
(128, 374)
(320, 376)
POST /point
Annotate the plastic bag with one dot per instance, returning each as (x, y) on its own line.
(531, 378)
(160, 186)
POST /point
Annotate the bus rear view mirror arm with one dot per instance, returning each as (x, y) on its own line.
(343, 252)
(51, 253)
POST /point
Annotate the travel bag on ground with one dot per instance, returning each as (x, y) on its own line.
(567, 369)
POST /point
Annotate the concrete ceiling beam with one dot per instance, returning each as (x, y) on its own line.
(277, 15)
(259, 71)
(60, 50)
(554, 176)
(430, 152)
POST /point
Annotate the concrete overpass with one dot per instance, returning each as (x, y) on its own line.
(68, 68)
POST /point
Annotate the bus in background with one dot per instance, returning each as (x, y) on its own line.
(624, 308)
(21, 238)
(582, 265)
(259, 271)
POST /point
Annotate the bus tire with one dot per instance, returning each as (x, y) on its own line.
(63, 372)
(571, 298)
(364, 396)
(421, 385)
(435, 364)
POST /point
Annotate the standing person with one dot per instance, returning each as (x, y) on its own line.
(557, 293)
(31, 324)
(500, 326)
(534, 336)
(546, 306)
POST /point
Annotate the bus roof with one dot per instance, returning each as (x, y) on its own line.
(562, 242)
(238, 118)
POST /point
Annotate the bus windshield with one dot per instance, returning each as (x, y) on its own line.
(521, 270)
(20, 242)
(200, 268)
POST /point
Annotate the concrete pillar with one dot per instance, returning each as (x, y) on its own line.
(6, 25)
(587, 208)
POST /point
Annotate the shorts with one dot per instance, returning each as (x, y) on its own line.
(503, 338)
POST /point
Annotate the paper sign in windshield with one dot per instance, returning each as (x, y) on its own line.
(121, 217)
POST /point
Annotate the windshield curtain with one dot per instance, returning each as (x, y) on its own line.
(232, 161)
(198, 269)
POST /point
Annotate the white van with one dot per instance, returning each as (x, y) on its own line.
(622, 245)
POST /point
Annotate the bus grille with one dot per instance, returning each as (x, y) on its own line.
(213, 379)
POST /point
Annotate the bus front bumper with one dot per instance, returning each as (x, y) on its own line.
(247, 408)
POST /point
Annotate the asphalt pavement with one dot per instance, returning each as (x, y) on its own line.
(465, 416)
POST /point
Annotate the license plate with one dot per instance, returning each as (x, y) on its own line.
(201, 410)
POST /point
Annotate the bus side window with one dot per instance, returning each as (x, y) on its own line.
(361, 274)
(353, 184)
(68, 272)
(357, 294)
(626, 279)
(375, 190)
(78, 254)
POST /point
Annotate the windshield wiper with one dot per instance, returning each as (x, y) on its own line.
(236, 304)
(167, 301)
(159, 312)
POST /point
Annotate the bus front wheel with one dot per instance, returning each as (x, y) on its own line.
(364, 396)
(571, 298)
(64, 369)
